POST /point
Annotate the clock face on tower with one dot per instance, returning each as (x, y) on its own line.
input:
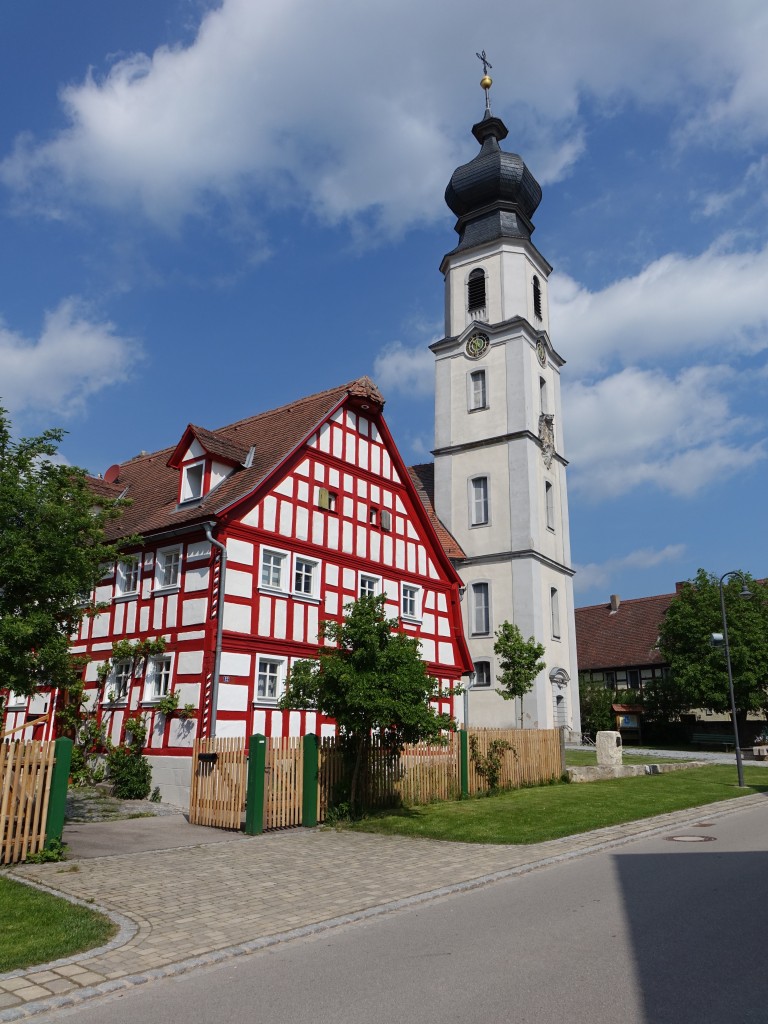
(477, 345)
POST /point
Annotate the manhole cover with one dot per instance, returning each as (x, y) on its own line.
(690, 839)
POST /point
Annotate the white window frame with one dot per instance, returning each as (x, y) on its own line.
(159, 679)
(186, 492)
(479, 503)
(554, 610)
(411, 594)
(477, 683)
(313, 593)
(15, 701)
(128, 580)
(286, 576)
(281, 666)
(475, 401)
(160, 568)
(119, 681)
(376, 590)
(488, 622)
(549, 504)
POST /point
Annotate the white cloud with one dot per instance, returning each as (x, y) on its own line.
(74, 357)
(334, 104)
(674, 307)
(600, 574)
(645, 428)
(405, 370)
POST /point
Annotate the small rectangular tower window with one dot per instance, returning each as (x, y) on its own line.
(543, 396)
(549, 504)
(554, 604)
(479, 501)
(478, 398)
(481, 609)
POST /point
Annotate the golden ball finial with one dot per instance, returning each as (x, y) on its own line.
(486, 82)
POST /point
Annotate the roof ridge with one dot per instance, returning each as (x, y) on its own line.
(341, 388)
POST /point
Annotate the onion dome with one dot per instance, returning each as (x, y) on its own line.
(495, 195)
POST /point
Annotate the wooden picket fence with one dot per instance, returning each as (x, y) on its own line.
(534, 757)
(217, 794)
(26, 770)
(419, 774)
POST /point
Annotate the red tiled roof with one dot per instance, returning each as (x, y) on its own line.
(152, 487)
(423, 477)
(626, 637)
(220, 446)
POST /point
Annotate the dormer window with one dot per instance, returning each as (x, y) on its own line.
(192, 479)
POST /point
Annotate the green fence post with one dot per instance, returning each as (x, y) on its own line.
(254, 800)
(309, 788)
(57, 798)
(464, 762)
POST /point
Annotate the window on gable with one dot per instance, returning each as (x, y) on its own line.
(305, 577)
(326, 499)
(411, 602)
(536, 298)
(476, 291)
(168, 568)
(481, 609)
(478, 398)
(373, 516)
(554, 604)
(273, 565)
(479, 501)
(128, 573)
(482, 673)
(270, 678)
(549, 504)
(158, 683)
(192, 481)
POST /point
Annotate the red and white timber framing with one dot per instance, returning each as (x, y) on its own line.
(337, 516)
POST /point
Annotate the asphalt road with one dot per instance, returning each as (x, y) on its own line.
(655, 932)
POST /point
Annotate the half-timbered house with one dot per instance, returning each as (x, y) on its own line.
(251, 534)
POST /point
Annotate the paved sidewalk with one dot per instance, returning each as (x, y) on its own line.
(185, 907)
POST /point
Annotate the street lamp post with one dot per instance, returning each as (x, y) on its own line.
(745, 593)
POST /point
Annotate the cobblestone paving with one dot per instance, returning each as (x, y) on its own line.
(179, 908)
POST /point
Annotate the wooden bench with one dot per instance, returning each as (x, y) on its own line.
(713, 739)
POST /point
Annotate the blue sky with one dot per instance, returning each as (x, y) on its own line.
(208, 209)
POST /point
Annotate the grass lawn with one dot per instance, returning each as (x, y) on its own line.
(549, 812)
(36, 927)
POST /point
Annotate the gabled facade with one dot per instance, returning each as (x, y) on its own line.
(251, 535)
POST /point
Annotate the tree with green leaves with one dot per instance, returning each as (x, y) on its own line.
(369, 678)
(519, 660)
(698, 672)
(595, 700)
(52, 551)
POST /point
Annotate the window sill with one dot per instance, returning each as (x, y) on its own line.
(152, 702)
(306, 598)
(479, 526)
(123, 598)
(274, 592)
(114, 705)
(164, 591)
(265, 702)
(479, 408)
(411, 620)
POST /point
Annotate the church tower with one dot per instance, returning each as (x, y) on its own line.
(499, 483)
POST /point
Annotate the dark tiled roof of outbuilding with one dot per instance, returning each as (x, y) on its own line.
(152, 487)
(423, 477)
(626, 637)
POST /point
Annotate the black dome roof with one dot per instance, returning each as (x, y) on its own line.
(495, 194)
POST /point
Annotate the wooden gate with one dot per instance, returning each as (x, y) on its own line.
(26, 770)
(284, 784)
(217, 795)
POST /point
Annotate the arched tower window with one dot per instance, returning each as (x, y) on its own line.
(476, 290)
(536, 298)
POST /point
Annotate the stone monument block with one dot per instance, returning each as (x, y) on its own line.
(609, 748)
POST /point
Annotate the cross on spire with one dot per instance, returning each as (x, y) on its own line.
(486, 63)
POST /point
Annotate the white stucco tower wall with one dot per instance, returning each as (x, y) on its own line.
(500, 467)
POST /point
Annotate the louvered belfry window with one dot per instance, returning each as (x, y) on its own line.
(476, 290)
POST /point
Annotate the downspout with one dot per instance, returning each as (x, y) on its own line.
(219, 624)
